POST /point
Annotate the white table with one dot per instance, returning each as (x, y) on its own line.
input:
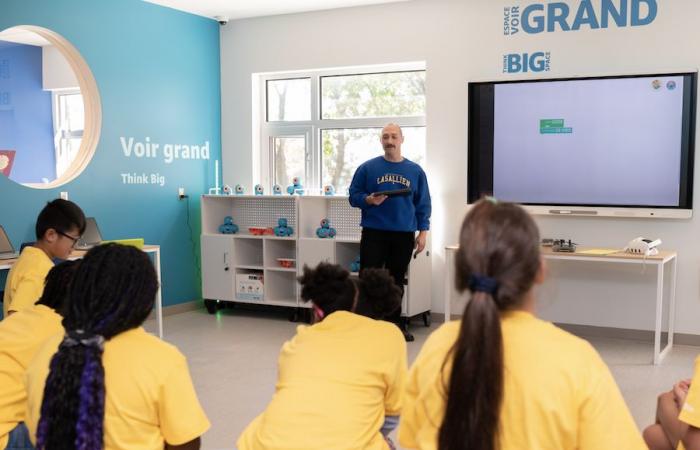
(151, 249)
(660, 261)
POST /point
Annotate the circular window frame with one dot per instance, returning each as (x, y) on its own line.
(91, 103)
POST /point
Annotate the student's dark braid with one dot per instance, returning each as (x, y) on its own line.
(57, 285)
(113, 291)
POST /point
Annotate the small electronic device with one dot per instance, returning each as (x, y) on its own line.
(561, 245)
(403, 191)
(91, 237)
(643, 246)
(7, 251)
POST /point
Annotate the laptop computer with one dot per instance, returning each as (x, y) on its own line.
(7, 251)
(91, 237)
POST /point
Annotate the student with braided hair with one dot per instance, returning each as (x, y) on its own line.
(336, 385)
(21, 337)
(501, 378)
(107, 383)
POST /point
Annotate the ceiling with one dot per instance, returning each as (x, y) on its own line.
(239, 9)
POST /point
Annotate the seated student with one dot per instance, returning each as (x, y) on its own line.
(107, 383)
(501, 378)
(677, 417)
(335, 384)
(58, 229)
(21, 336)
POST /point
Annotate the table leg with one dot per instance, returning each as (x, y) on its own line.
(449, 267)
(159, 294)
(659, 312)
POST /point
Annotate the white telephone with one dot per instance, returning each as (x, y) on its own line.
(643, 246)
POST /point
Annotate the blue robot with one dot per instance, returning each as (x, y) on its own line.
(325, 230)
(259, 189)
(328, 189)
(282, 229)
(240, 190)
(228, 227)
(296, 187)
(355, 265)
(277, 190)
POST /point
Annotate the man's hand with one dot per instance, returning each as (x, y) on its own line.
(375, 200)
(419, 245)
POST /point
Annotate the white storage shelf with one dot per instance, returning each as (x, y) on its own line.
(224, 255)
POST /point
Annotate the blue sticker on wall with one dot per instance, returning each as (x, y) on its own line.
(559, 16)
(527, 62)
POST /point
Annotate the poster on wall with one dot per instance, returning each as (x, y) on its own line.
(7, 157)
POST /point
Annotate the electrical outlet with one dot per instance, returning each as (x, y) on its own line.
(64, 195)
(181, 193)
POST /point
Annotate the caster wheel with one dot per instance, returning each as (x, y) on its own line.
(211, 306)
(294, 316)
(427, 320)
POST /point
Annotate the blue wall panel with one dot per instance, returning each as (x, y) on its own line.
(157, 70)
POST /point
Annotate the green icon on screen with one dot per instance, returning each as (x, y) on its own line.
(554, 126)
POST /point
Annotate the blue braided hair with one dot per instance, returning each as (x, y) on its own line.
(113, 291)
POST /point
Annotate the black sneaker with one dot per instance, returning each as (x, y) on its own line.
(408, 336)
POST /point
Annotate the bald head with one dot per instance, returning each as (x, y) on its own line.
(391, 139)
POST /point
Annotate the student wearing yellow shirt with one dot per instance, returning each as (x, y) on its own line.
(58, 228)
(340, 380)
(21, 336)
(501, 378)
(677, 417)
(106, 383)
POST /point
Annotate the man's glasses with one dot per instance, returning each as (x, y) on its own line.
(72, 238)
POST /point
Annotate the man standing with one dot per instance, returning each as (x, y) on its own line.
(389, 222)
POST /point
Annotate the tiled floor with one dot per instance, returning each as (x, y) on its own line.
(233, 360)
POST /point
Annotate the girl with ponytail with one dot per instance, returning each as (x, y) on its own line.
(106, 383)
(502, 379)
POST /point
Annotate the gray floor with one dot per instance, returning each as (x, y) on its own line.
(233, 360)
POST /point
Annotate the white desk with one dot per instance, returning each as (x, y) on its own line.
(660, 261)
(152, 249)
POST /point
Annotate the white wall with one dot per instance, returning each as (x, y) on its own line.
(56, 72)
(461, 41)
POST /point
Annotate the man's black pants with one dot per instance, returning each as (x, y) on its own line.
(390, 250)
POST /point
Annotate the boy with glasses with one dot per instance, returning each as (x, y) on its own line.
(58, 228)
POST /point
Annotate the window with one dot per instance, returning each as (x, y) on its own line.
(322, 125)
(69, 123)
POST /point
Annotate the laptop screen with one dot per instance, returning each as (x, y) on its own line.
(92, 235)
(5, 244)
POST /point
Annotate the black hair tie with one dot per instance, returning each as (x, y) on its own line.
(481, 283)
(80, 337)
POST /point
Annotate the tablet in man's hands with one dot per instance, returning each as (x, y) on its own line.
(403, 191)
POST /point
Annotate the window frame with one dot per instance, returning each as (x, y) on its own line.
(61, 133)
(268, 130)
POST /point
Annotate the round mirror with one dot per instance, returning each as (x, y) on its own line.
(50, 114)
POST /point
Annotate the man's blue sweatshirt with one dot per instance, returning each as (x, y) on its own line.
(399, 212)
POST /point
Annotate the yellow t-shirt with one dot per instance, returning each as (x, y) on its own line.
(690, 413)
(21, 336)
(149, 396)
(25, 282)
(337, 380)
(558, 393)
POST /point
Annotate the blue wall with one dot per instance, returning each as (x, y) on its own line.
(157, 70)
(26, 124)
